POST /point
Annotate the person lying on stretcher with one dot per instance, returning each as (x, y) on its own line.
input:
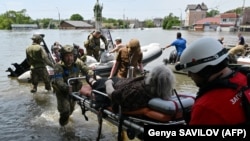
(135, 93)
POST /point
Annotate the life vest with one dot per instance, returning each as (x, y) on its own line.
(242, 91)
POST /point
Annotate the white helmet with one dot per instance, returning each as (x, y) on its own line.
(201, 53)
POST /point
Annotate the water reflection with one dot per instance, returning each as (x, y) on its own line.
(185, 84)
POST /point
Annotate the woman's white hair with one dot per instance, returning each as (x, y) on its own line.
(162, 81)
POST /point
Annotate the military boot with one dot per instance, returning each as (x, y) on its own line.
(34, 89)
(48, 87)
(64, 119)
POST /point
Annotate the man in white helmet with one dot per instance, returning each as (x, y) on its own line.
(218, 100)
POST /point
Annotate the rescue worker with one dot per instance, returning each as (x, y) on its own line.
(127, 57)
(241, 39)
(180, 45)
(69, 67)
(38, 59)
(235, 52)
(218, 100)
(93, 44)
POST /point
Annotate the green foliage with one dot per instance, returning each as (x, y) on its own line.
(237, 10)
(149, 23)
(212, 13)
(113, 23)
(121, 24)
(14, 17)
(46, 23)
(4, 22)
(76, 17)
(109, 20)
(20, 17)
(170, 21)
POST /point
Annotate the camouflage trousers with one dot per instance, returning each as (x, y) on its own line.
(94, 52)
(38, 74)
(66, 103)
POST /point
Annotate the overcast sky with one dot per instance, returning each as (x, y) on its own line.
(117, 9)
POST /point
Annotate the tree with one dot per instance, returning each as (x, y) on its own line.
(149, 23)
(237, 10)
(4, 22)
(14, 17)
(212, 13)
(170, 21)
(76, 17)
(45, 23)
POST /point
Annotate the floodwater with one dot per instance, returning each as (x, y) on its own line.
(26, 116)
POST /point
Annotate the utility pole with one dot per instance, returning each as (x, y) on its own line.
(241, 15)
(59, 20)
(180, 18)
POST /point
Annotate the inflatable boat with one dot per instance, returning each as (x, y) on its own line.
(243, 61)
(158, 112)
(26, 77)
(171, 62)
(103, 68)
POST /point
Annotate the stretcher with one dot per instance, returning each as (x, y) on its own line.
(158, 112)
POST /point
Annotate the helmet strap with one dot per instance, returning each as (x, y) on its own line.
(210, 70)
(203, 60)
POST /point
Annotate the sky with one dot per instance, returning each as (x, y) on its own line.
(117, 9)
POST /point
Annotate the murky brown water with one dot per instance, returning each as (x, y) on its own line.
(24, 116)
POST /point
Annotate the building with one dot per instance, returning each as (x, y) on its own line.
(194, 13)
(222, 22)
(229, 21)
(75, 25)
(207, 24)
(158, 22)
(24, 26)
(246, 16)
(134, 23)
(245, 24)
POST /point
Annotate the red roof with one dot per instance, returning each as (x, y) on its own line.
(228, 15)
(210, 20)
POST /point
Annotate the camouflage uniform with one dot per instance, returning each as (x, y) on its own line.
(38, 59)
(93, 45)
(62, 73)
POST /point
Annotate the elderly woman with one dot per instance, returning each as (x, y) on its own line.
(134, 93)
